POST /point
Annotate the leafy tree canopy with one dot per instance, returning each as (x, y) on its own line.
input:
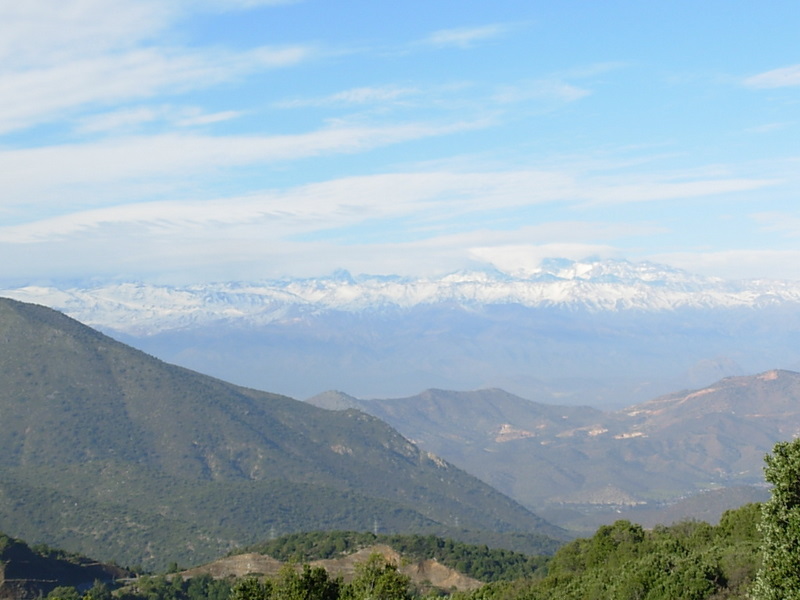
(779, 577)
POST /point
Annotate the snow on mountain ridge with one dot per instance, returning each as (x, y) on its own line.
(139, 308)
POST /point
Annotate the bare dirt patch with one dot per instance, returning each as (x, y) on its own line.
(426, 573)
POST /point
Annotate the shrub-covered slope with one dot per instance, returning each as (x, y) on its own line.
(688, 561)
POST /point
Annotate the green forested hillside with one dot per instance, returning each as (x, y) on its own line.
(106, 450)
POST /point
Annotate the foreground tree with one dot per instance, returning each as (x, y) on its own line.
(377, 579)
(779, 576)
(251, 588)
(312, 583)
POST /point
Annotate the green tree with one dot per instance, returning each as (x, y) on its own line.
(205, 587)
(99, 591)
(312, 583)
(377, 579)
(779, 576)
(251, 588)
(64, 592)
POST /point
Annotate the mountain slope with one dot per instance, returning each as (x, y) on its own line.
(531, 451)
(193, 463)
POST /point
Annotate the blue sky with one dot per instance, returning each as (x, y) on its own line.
(179, 141)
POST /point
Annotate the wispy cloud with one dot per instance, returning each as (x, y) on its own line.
(238, 4)
(776, 78)
(130, 119)
(465, 37)
(59, 61)
(547, 89)
(354, 96)
(200, 118)
(119, 120)
(779, 222)
(769, 127)
(40, 33)
(34, 96)
(37, 34)
(440, 218)
(37, 175)
(653, 190)
(428, 197)
(312, 207)
(594, 69)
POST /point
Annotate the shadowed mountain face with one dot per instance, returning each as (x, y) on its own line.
(106, 450)
(26, 574)
(546, 455)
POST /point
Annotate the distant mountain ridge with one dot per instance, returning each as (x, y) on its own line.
(111, 452)
(548, 456)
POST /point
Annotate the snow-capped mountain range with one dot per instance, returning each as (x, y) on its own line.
(143, 309)
(601, 333)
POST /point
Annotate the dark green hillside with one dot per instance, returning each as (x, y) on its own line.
(33, 572)
(106, 450)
